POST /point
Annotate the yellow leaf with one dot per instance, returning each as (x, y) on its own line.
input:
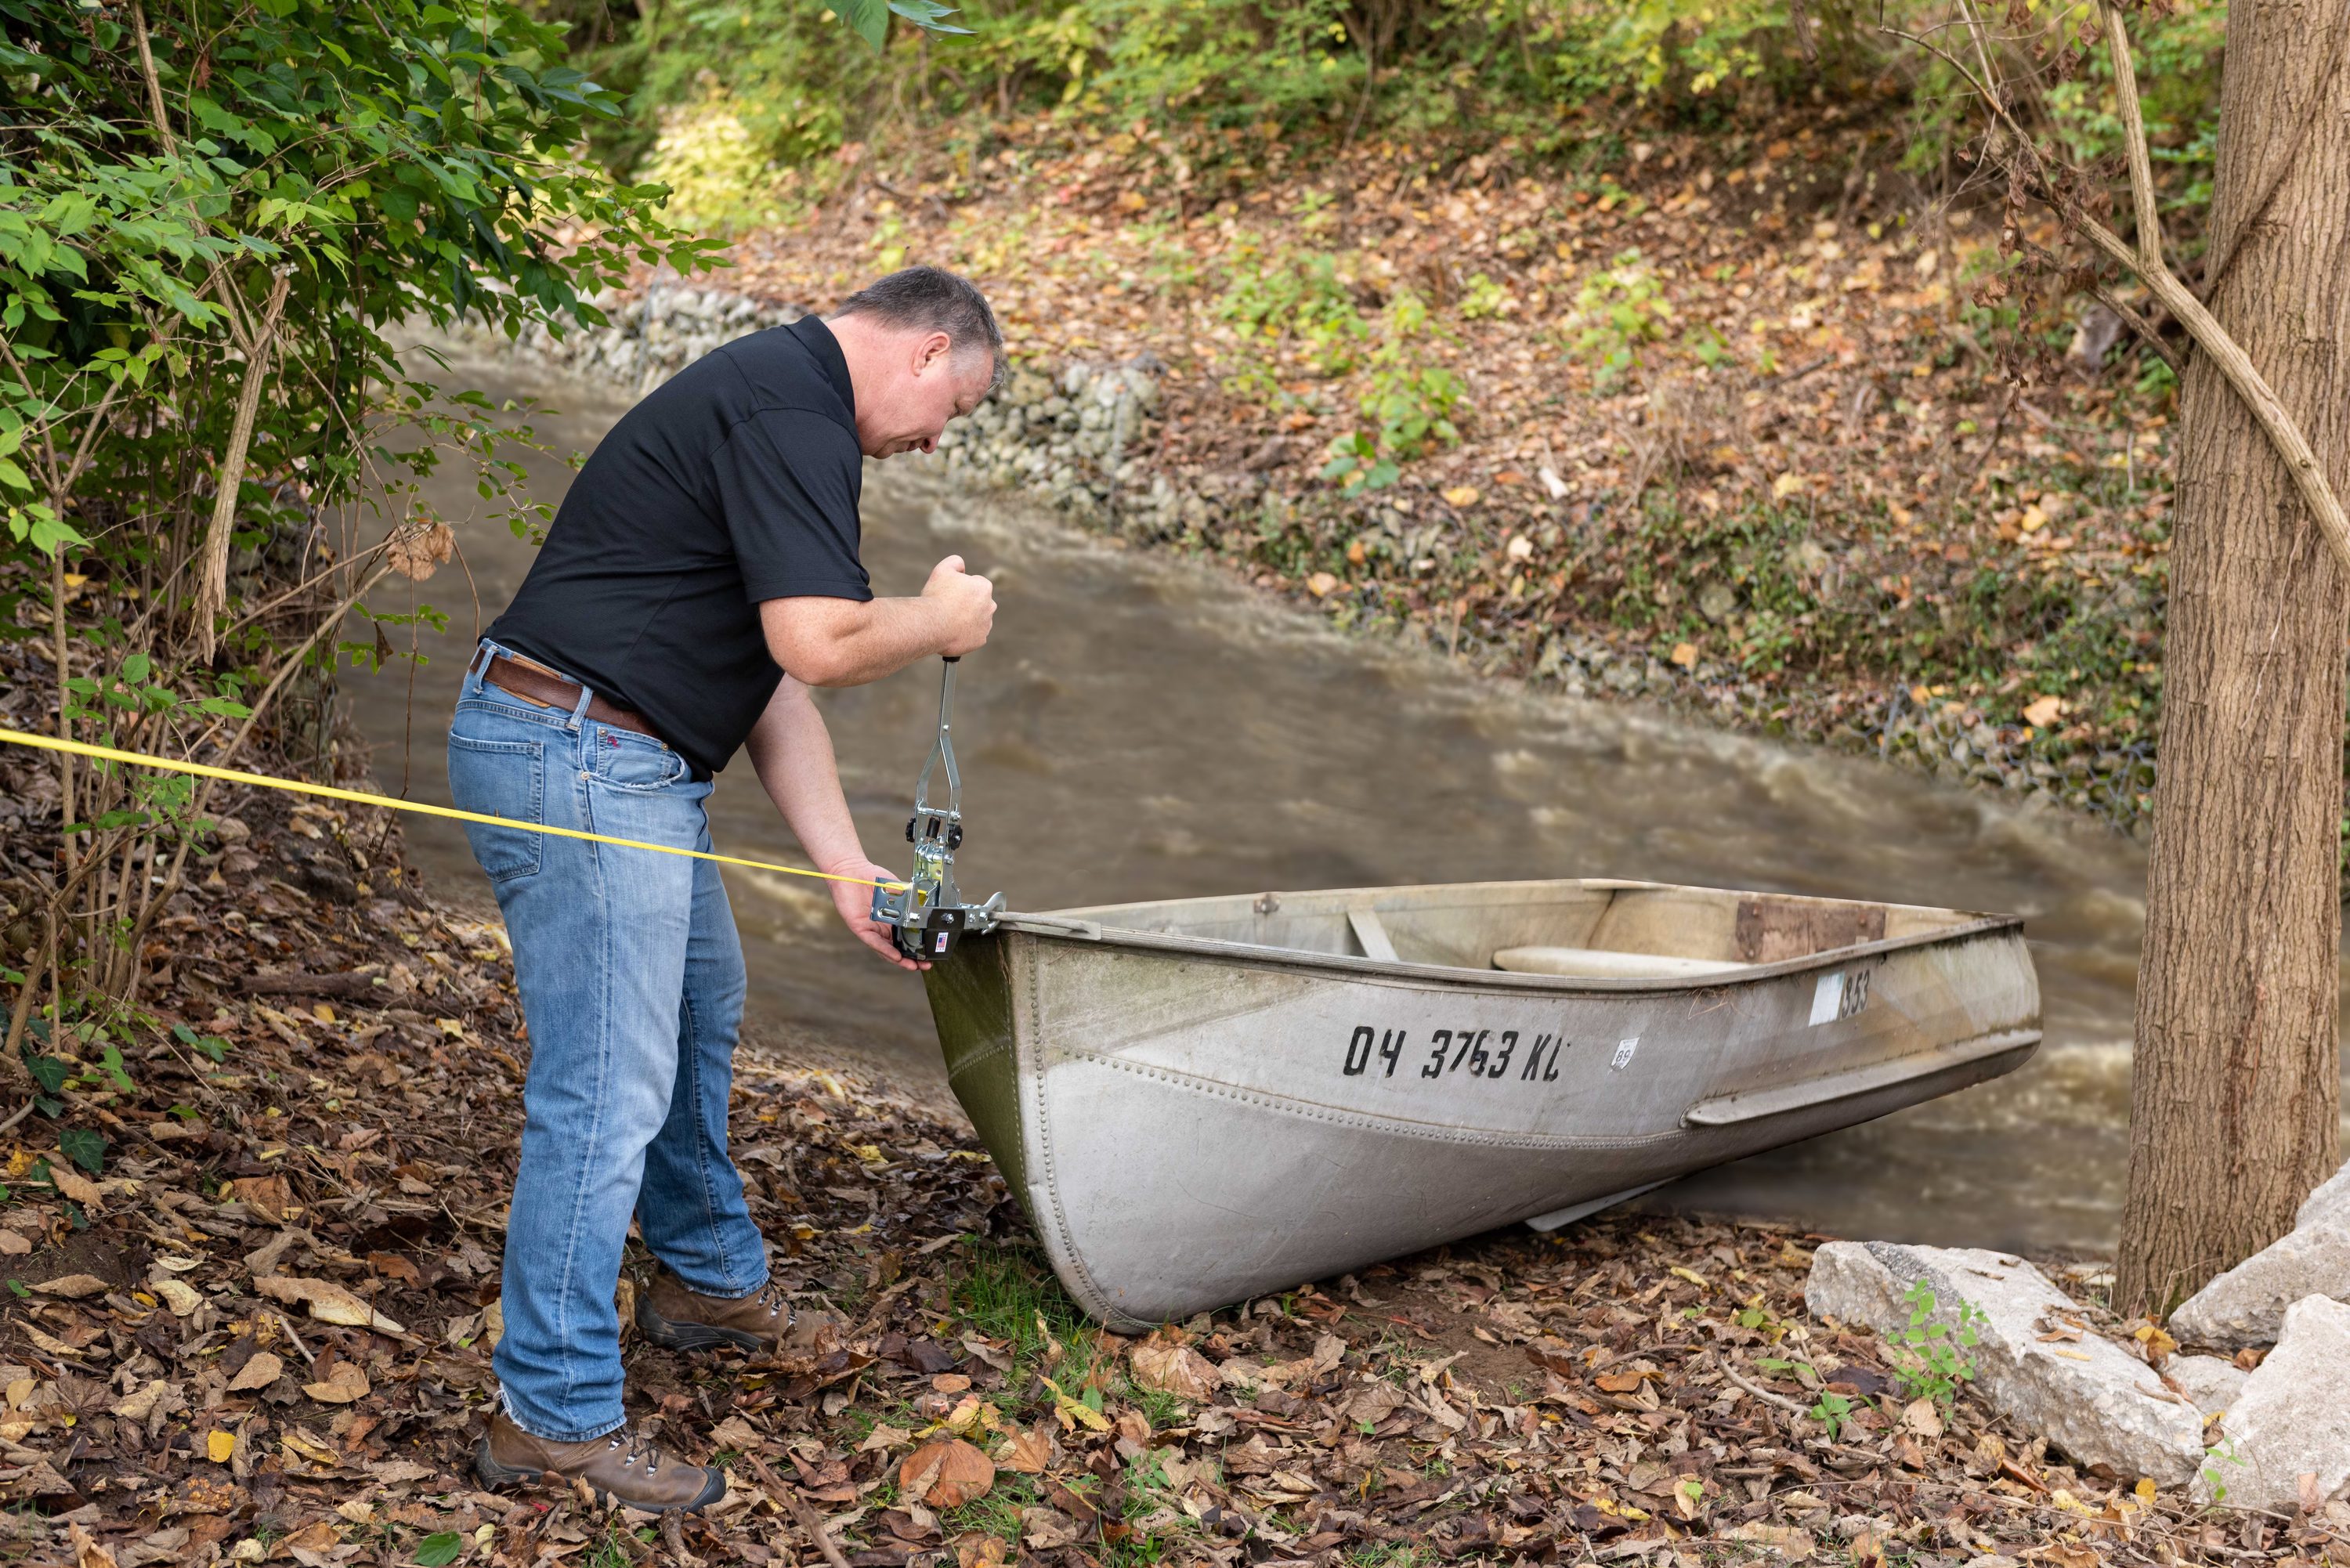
(1461, 495)
(1685, 655)
(220, 1445)
(1075, 1410)
(2032, 520)
(2043, 712)
(322, 1013)
(1786, 484)
(1321, 585)
(2145, 1488)
(1691, 1275)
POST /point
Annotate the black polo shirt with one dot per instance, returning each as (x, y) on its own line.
(736, 481)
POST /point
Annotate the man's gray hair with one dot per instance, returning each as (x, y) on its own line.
(932, 299)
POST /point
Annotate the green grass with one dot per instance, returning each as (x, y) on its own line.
(997, 1513)
(1005, 1292)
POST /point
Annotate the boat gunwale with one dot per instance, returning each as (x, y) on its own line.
(1091, 932)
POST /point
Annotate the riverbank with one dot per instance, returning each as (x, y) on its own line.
(1732, 428)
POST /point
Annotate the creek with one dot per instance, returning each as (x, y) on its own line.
(1144, 727)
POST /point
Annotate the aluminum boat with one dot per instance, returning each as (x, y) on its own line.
(1204, 1100)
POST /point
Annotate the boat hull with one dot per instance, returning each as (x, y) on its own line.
(1192, 1121)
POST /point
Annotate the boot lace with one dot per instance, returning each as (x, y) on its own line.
(772, 1298)
(631, 1449)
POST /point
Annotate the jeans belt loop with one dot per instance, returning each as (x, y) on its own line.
(579, 708)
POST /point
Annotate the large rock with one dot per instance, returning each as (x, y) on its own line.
(2213, 1384)
(2246, 1304)
(2293, 1417)
(2330, 1204)
(2090, 1397)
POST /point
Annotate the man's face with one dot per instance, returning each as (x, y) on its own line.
(929, 383)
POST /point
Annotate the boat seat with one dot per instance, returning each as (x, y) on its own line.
(1599, 963)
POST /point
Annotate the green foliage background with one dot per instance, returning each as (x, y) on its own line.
(1560, 78)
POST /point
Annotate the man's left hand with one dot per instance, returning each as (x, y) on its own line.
(855, 902)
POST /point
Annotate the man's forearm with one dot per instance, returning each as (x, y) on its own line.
(792, 751)
(841, 642)
(827, 642)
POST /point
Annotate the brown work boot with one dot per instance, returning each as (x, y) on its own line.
(675, 1318)
(618, 1467)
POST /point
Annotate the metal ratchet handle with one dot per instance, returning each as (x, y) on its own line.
(942, 749)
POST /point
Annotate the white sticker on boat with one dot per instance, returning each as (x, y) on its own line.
(1623, 1057)
(1840, 995)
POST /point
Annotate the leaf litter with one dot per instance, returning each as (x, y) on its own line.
(267, 1340)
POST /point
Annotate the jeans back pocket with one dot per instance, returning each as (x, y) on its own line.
(501, 778)
(628, 761)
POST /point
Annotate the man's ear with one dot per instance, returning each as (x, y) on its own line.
(931, 349)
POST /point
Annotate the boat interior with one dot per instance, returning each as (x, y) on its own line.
(1588, 928)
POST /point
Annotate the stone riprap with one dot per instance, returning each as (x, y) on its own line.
(2293, 1419)
(2329, 1205)
(2213, 1384)
(2088, 1396)
(2246, 1305)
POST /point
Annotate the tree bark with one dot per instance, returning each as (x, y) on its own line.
(2234, 1106)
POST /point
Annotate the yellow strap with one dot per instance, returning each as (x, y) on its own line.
(361, 797)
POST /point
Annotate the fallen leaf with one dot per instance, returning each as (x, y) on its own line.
(140, 1405)
(2043, 712)
(1461, 495)
(327, 1301)
(1921, 1418)
(268, 1195)
(73, 1287)
(1026, 1452)
(944, 1474)
(258, 1373)
(344, 1384)
(13, 1245)
(1786, 484)
(1176, 1369)
(177, 1295)
(73, 1184)
(1321, 585)
(735, 1433)
(1685, 655)
(883, 1438)
(87, 1552)
(220, 1445)
(1785, 1540)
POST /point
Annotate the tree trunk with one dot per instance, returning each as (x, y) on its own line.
(2234, 1104)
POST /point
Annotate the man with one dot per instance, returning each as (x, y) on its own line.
(701, 575)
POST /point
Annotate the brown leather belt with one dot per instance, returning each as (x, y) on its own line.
(535, 685)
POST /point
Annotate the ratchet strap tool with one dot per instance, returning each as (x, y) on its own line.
(926, 914)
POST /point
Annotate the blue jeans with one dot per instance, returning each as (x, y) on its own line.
(631, 981)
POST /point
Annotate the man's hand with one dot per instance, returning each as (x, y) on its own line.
(855, 903)
(966, 605)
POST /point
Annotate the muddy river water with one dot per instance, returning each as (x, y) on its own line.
(1145, 727)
